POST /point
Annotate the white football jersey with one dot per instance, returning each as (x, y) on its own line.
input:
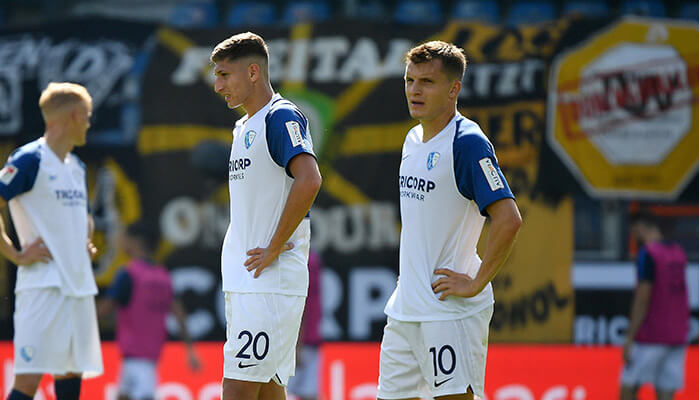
(259, 182)
(445, 186)
(48, 199)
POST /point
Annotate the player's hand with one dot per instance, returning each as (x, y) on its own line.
(627, 352)
(91, 249)
(34, 252)
(260, 258)
(455, 284)
(193, 360)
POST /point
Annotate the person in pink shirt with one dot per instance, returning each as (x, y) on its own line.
(304, 384)
(143, 297)
(655, 349)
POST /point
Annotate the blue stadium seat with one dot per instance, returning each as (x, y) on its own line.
(194, 14)
(598, 9)
(251, 14)
(689, 11)
(306, 11)
(418, 12)
(478, 10)
(650, 8)
(530, 12)
(371, 10)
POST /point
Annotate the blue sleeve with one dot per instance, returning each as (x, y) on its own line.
(287, 135)
(478, 175)
(120, 289)
(19, 174)
(645, 267)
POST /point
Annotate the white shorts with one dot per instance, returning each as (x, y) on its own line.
(138, 378)
(436, 358)
(657, 364)
(56, 334)
(261, 334)
(305, 383)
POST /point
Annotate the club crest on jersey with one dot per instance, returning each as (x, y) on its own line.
(432, 160)
(249, 138)
(27, 353)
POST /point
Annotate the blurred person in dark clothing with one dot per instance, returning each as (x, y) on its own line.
(655, 348)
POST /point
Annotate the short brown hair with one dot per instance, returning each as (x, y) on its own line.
(58, 95)
(453, 58)
(241, 45)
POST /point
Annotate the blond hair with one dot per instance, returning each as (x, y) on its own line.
(59, 96)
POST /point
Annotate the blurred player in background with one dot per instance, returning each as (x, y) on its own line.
(44, 183)
(305, 383)
(436, 338)
(655, 348)
(143, 296)
(273, 179)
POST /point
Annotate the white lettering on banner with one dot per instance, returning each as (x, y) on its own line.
(184, 221)
(194, 59)
(10, 100)
(201, 281)
(97, 65)
(348, 229)
(514, 391)
(605, 330)
(522, 392)
(368, 291)
(337, 380)
(174, 390)
(332, 297)
(502, 80)
(297, 69)
(329, 59)
(328, 51)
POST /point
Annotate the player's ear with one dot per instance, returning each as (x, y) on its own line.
(455, 88)
(254, 72)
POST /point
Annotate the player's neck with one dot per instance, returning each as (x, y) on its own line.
(431, 127)
(56, 141)
(258, 99)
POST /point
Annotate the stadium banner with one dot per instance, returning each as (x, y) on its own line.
(514, 372)
(100, 54)
(349, 371)
(623, 113)
(348, 79)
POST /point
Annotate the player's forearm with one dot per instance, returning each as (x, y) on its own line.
(501, 238)
(301, 196)
(7, 249)
(639, 309)
(181, 318)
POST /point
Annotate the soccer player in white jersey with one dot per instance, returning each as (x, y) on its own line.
(273, 179)
(435, 340)
(44, 183)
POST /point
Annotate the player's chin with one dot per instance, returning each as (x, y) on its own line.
(416, 114)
